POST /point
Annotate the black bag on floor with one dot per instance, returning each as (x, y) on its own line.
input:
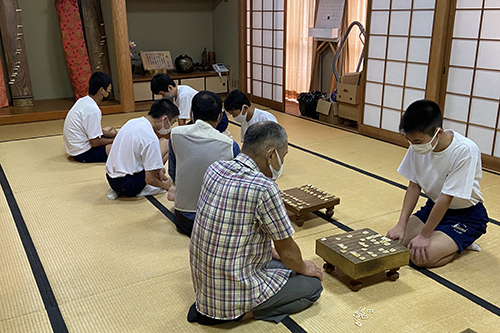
(308, 102)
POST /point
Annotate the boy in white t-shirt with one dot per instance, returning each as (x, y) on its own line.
(182, 96)
(238, 106)
(447, 167)
(135, 165)
(83, 136)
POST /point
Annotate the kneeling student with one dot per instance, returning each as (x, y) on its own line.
(83, 136)
(237, 105)
(447, 166)
(182, 96)
(135, 166)
(191, 150)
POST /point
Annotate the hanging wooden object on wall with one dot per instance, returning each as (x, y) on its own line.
(95, 35)
(16, 60)
(75, 50)
(4, 101)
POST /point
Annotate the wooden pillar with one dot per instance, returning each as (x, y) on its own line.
(16, 59)
(123, 63)
(95, 36)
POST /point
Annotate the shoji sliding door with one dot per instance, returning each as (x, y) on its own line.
(471, 94)
(265, 33)
(397, 66)
(443, 50)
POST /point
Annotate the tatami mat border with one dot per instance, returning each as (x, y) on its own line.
(42, 282)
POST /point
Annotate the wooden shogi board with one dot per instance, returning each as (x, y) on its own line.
(308, 198)
(362, 253)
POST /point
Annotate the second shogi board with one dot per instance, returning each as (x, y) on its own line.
(362, 253)
(308, 198)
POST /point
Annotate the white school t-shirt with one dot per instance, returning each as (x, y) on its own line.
(82, 123)
(258, 116)
(455, 171)
(135, 148)
(183, 101)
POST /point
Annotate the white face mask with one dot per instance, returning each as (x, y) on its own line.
(425, 148)
(163, 130)
(241, 117)
(276, 173)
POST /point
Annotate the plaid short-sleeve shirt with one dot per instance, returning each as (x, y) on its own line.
(240, 212)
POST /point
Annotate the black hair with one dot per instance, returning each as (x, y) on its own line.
(422, 116)
(260, 137)
(97, 81)
(163, 107)
(235, 100)
(206, 105)
(160, 82)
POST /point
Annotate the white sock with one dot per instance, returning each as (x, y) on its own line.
(474, 247)
(150, 190)
(112, 195)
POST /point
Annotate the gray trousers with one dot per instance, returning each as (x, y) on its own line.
(298, 293)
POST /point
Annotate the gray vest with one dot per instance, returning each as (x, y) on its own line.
(196, 147)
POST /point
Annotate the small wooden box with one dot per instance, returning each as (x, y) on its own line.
(308, 198)
(391, 257)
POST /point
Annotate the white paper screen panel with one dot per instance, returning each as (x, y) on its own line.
(373, 94)
(399, 45)
(456, 126)
(397, 48)
(483, 137)
(390, 120)
(265, 48)
(469, 4)
(483, 112)
(419, 50)
(372, 115)
(492, 4)
(472, 100)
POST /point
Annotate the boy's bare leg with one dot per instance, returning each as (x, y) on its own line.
(164, 149)
(413, 228)
(442, 248)
(109, 132)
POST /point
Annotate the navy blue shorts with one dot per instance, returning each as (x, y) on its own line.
(129, 185)
(93, 155)
(464, 225)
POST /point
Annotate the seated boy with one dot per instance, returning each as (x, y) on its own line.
(191, 150)
(83, 136)
(238, 106)
(447, 166)
(182, 96)
(135, 166)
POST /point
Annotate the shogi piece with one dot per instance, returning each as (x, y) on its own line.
(308, 198)
(362, 253)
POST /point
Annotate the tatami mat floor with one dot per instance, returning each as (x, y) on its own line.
(120, 266)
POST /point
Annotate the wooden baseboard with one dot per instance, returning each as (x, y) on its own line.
(383, 135)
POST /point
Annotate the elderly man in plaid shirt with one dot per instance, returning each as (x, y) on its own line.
(236, 272)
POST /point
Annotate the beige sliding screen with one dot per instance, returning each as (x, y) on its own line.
(264, 52)
(397, 65)
(471, 91)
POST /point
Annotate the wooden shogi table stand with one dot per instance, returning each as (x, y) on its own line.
(362, 253)
(308, 198)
